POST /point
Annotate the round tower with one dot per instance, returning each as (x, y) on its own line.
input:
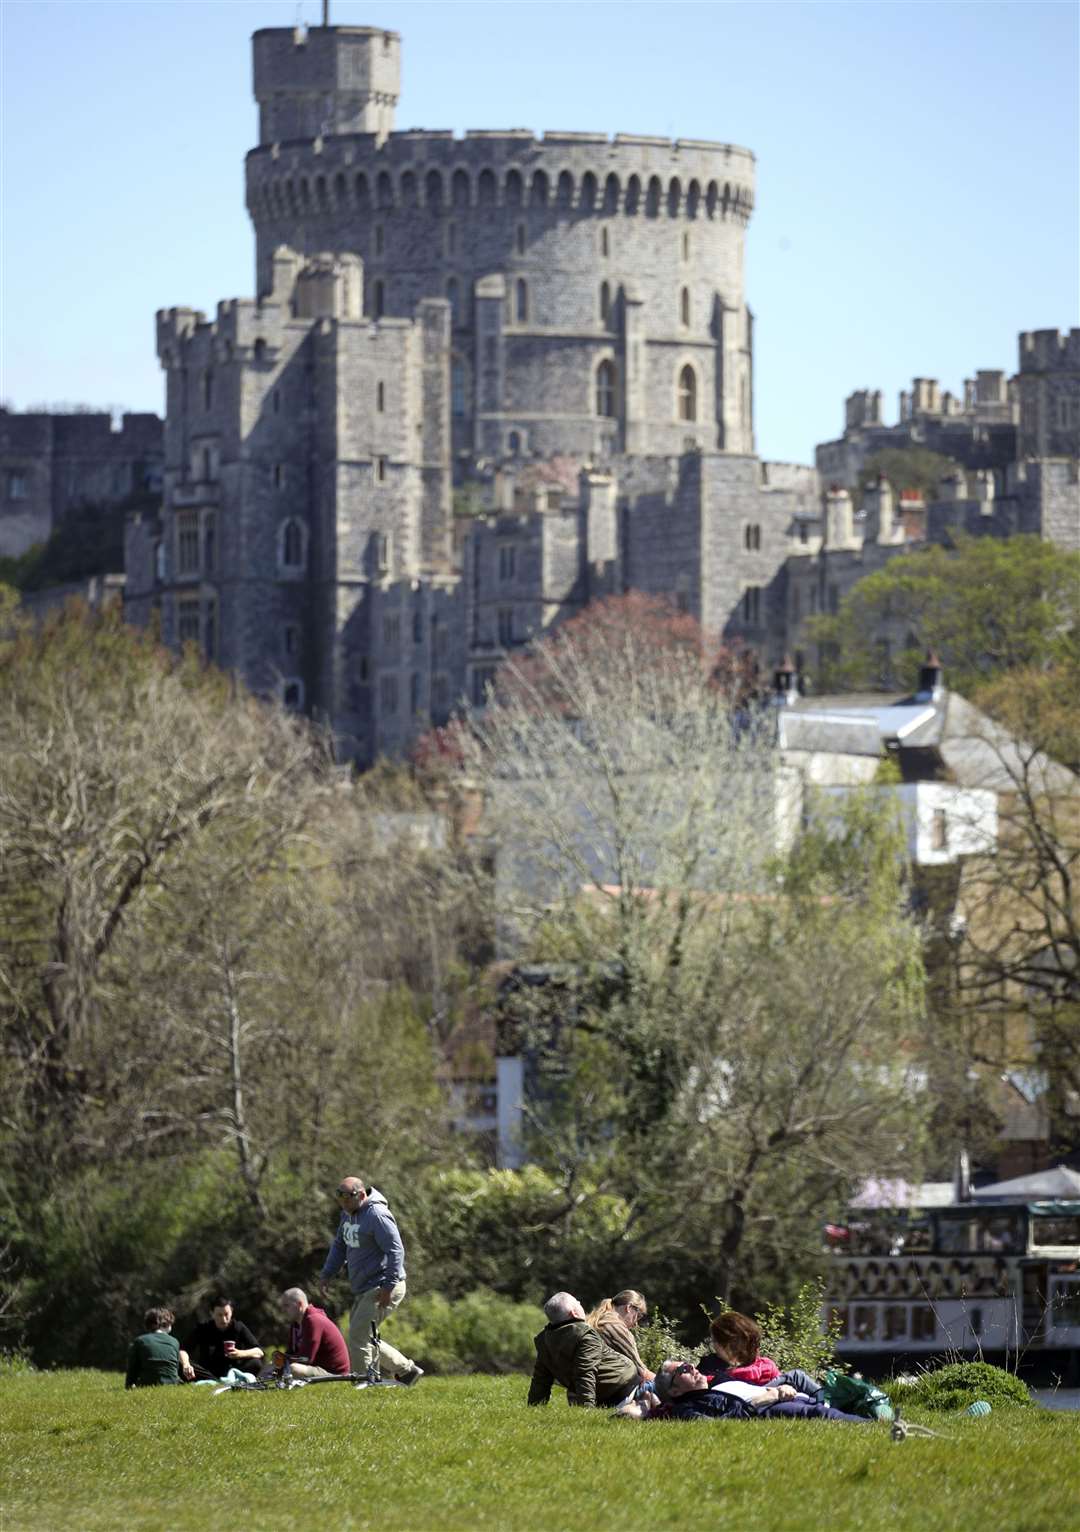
(596, 284)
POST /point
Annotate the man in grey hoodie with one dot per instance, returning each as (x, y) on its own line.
(368, 1243)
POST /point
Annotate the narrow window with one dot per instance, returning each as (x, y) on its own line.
(506, 626)
(380, 470)
(507, 561)
(605, 389)
(379, 299)
(939, 831)
(382, 552)
(391, 631)
(290, 639)
(752, 605)
(522, 301)
(210, 543)
(279, 475)
(292, 545)
(417, 626)
(292, 695)
(457, 387)
(414, 693)
(380, 397)
(388, 694)
(605, 241)
(686, 247)
(187, 620)
(688, 393)
(521, 239)
(684, 307)
(187, 543)
(513, 443)
(451, 238)
(605, 302)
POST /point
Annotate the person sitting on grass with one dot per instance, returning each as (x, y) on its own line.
(615, 1319)
(735, 1355)
(223, 1341)
(571, 1353)
(683, 1392)
(155, 1357)
(316, 1347)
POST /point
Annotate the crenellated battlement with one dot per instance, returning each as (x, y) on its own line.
(627, 174)
(1049, 350)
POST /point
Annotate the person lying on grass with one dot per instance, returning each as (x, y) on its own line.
(571, 1353)
(316, 1347)
(735, 1356)
(615, 1320)
(155, 1357)
(683, 1392)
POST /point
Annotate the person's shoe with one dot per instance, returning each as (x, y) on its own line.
(413, 1375)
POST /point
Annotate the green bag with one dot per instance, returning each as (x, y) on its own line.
(855, 1396)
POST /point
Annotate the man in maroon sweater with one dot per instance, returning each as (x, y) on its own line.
(316, 1346)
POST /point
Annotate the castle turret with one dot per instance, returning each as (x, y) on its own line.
(327, 80)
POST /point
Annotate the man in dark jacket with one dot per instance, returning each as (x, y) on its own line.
(570, 1352)
(685, 1389)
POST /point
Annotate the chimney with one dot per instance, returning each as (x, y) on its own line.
(962, 1178)
(931, 688)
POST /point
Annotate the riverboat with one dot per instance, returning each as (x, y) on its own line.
(921, 1272)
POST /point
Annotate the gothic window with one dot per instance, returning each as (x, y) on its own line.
(459, 188)
(433, 188)
(588, 191)
(384, 190)
(515, 193)
(292, 544)
(565, 191)
(684, 307)
(187, 620)
(605, 389)
(539, 189)
(633, 194)
(260, 350)
(521, 300)
(485, 189)
(688, 393)
(187, 543)
(605, 302)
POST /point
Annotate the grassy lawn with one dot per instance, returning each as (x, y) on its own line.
(77, 1452)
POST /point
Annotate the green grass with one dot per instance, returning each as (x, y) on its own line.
(77, 1452)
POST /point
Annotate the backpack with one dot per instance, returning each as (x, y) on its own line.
(851, 1393)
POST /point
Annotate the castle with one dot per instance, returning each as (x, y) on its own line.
(486, 380)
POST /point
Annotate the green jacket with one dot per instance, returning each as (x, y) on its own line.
(573, 1354)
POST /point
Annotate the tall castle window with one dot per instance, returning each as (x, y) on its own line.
(521, 300)
(752, 605)
(688, 393)
(187, 620)
(378, 299)
(187, 543)
(380, 396)
(605, 241)
(605, 302)
(752, 537)
(684, 307)
(292, 545)
(605, 389)
(686, 247)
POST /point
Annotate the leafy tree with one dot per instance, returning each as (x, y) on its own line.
(986, 605)
(725, 1047)
(907, 468)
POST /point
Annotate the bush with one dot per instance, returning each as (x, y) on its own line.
(658, 1340)
(792, 1335)
(482, 1332)
(959, 1384)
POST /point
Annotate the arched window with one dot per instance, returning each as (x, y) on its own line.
(384, 190)
(485, 188)
(652, 197)
(633, 194)
(260, 350)
(688, 393)
(433, 189)
(565, 189)
(539, 189)
(521, 300)
(605, 302)
(684, 307)
(515, 191)
(605, 389)
(611, 193)
(588, 191)
(361, 190)
(408, 188)
(459, 188)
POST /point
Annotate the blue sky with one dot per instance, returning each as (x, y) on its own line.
(918, 193)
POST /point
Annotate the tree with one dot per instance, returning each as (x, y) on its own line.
(1018, 963)
(725, 1045)
(986, 605)
(907, 468)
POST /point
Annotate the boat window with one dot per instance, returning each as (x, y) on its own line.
(865, 1322)
(896, 1322)
(923, 1322)
(982, 1233)
(1065, 1303)
(1055, 1230)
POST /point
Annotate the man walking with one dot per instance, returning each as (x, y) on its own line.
(368, 1243)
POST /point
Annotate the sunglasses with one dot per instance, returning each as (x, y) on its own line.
(683, 1367)
(344, 1191)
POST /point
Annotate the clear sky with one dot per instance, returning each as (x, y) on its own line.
(918, 190)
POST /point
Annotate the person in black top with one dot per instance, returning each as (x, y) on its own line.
(223, 1341)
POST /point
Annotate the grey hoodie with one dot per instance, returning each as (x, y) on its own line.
(369, 1244)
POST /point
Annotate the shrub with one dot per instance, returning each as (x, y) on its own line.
(12, 1362)
(959, 1384)
(792, 1334)
(658, 1340)
(482, 1332)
